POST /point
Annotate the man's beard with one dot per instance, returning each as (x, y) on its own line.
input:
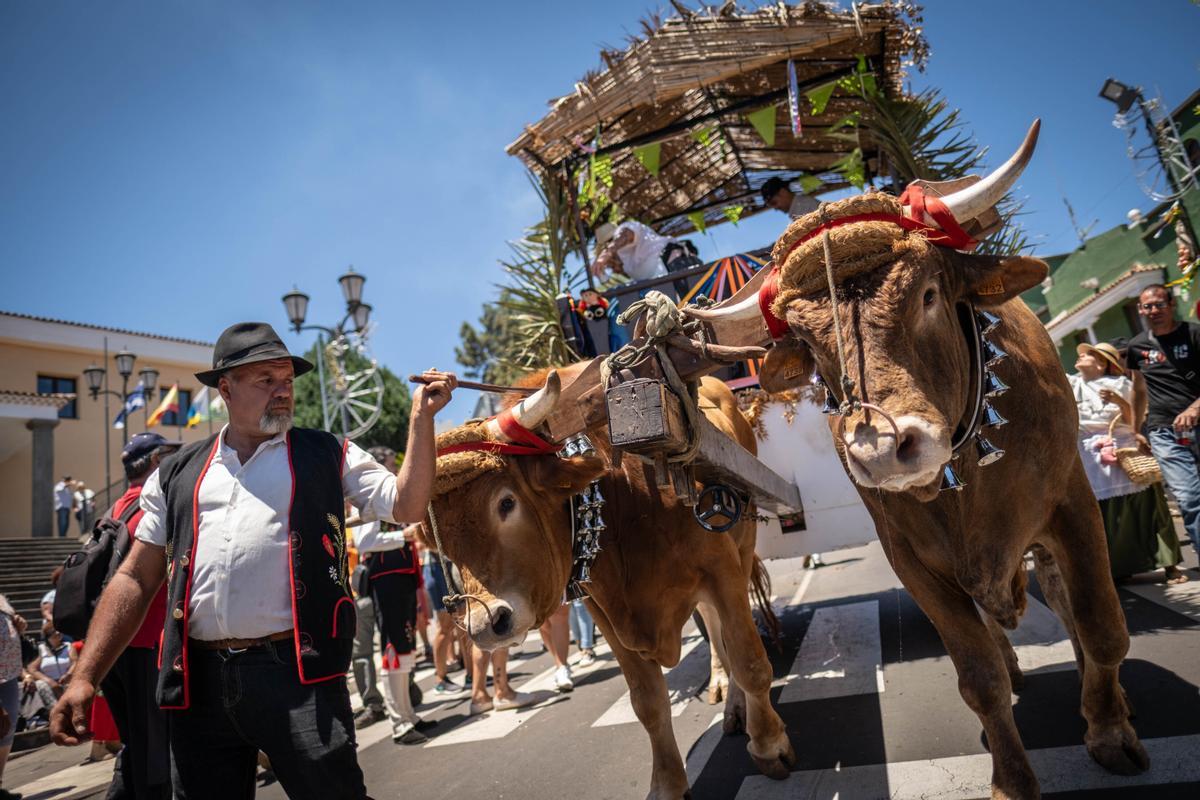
(274, 422)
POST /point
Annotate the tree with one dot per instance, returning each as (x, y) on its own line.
(391, 430)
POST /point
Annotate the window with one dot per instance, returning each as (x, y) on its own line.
(49, 385)
(185, 402)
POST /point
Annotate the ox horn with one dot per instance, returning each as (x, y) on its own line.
(533, 410)
(745, 309)
(967, 204)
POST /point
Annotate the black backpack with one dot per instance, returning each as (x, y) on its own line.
(87, 571)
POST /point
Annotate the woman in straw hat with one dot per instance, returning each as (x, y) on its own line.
(1141, 535)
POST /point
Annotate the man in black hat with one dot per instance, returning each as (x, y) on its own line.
(248, 529)
(778, 195)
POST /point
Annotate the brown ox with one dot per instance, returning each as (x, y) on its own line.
(899, 299)
(505, 521)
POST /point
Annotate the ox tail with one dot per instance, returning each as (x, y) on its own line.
(760, 594)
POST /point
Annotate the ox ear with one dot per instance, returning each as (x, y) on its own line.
(567, 475)
(993, 280)
(787, 365)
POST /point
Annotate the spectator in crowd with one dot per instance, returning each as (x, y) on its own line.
(1137, 523)
(505, 697)
(64, 501)
(51, 670)
(1165, 363)
(556, 635)
(85, 507)
(447, 632)
(394, 581)
(363, 656)
(778, 195)
(249, 526)
(583, 630)
(143, 766)
(47, 602)
(12, 628)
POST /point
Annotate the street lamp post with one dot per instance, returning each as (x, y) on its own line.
(96, 379)
(358, 314)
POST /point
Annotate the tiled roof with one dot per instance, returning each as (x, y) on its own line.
(105, 328)
(33, 399)
(1105, 290)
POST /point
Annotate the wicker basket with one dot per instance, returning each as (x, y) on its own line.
(1141, 468)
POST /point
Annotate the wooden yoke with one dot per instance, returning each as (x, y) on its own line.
(645, 418)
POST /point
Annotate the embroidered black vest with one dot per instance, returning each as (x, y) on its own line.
(323, 615)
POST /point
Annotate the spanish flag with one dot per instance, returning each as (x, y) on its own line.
(169, 403)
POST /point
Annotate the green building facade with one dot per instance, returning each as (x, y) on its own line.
(1091, 293)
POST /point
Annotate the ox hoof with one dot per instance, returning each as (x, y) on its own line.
(1119, 751)
(779, 767)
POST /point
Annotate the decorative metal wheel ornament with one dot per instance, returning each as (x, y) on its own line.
(352, 388)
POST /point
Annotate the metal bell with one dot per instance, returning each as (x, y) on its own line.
(988, 453)
(597, 498)
(987, 321)
(831, 406)
(993, 387)
(950, 479)
(991, 417)
(992, 355)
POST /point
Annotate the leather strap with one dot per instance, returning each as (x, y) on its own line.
(240, 644)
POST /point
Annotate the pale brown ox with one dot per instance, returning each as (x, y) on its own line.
(906, 353)
(508, 529)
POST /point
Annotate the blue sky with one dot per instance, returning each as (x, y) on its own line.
(176, 167)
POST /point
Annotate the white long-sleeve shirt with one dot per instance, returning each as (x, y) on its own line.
(240, 582)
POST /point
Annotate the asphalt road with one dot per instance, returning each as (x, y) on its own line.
(862, 681)
(867, 692)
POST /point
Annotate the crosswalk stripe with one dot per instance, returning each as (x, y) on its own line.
(497, 724)
(683, 682)
(1059, 769)
(841, 655)
(703, 749)
(1182, 598)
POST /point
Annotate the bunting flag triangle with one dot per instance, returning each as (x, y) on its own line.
(697, 220)
(810, 183)
(819, 97)
(733, 213)
(649, 154)
(763, 121)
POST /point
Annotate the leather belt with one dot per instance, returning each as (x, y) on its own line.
(240, 644)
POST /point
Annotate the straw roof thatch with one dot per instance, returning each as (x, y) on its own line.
(709, 68)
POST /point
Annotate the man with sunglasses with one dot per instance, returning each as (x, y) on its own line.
(1164, 361)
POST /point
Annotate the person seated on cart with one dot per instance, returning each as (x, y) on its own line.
(777, 195)
(640, 253)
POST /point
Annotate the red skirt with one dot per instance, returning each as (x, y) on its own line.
(104, 727)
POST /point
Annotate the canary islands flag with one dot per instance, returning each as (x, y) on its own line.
(169, 403)
(199, 410)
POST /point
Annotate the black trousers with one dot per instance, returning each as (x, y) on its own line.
(245, 702)
(143, 768)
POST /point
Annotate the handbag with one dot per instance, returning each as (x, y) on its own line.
(1141, 468)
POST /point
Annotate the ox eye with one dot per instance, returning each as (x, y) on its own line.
(506, 506)
(930, 296)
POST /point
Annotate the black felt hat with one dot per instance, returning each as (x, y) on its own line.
(248, 343)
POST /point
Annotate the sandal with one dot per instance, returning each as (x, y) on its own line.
(1174, 576)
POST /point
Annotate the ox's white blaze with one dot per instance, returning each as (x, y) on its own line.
(910, 456)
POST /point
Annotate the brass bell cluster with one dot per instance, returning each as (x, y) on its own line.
(588, 511)
(993, 387)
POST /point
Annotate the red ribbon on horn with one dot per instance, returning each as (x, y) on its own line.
(766, 298)
(522, 441)
(947, 233)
